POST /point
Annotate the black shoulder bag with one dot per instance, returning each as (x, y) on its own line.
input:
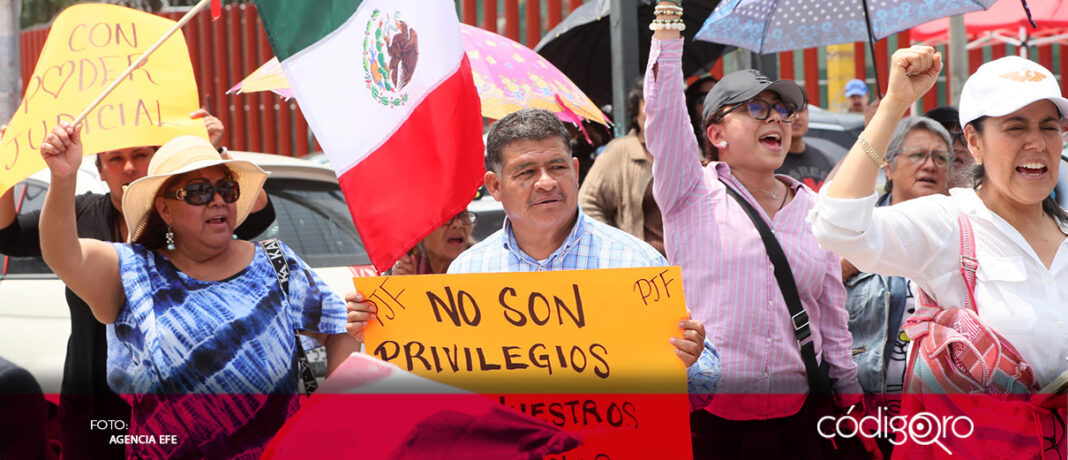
(819, 380)
(281, 271)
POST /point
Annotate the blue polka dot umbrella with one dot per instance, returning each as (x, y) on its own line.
(769, 26)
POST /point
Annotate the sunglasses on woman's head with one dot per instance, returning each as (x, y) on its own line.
(200, 192)
(760, 110)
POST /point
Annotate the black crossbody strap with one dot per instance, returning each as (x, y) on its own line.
(785, 277)
(281, 271)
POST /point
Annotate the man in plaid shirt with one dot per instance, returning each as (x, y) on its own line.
(530, 170)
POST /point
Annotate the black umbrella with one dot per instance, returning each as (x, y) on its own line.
(581, 47)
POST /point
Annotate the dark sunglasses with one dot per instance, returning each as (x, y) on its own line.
(760, 110)
(200, 192)
(956, 135)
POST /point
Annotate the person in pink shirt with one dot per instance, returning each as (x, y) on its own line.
(763, 407)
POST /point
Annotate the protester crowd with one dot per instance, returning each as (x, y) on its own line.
(811, 289)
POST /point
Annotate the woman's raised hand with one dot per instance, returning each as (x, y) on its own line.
(62, 150)
(913, 71)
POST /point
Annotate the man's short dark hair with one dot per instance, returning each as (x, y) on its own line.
(524, 124)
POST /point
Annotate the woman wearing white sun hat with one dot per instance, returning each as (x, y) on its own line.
(1003, 284)
(200, 325)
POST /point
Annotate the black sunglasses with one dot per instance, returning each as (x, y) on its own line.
(958, 136)
(760, 110)
(200, 192)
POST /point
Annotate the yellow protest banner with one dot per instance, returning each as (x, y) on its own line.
(585, 350)
(585, 331)
(87, 48)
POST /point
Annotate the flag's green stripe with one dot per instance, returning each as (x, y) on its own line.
(293, 25)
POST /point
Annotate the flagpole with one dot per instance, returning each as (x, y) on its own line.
(140, 61)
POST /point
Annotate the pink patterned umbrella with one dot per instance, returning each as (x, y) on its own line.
(509, 77)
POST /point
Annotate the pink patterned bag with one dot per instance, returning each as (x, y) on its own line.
(961, 369)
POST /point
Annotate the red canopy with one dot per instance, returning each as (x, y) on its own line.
(1005, 17)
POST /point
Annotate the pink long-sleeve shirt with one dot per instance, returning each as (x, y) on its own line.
(728, 279)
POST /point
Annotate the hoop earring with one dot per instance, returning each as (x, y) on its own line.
(169, 236)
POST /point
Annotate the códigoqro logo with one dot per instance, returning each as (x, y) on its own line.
(923, 428)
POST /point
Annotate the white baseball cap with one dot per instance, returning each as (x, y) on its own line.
(1005, 85)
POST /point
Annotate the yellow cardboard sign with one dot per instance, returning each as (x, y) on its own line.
(87, 48)
(580, 331)
(840, 69)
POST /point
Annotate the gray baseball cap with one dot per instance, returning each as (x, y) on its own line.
(743, 85)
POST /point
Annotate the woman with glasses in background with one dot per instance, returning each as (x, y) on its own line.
(761, 408)
(436, 252)
(918, 161)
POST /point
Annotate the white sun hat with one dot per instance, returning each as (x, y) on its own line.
(179, 156)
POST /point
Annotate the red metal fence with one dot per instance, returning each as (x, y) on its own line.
(225, 51)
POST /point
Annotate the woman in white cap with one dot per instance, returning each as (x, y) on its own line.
(200, 325)
(771, 300)
(1000, 281)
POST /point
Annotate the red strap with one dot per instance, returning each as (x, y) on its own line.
(968, 263)
(216, 9)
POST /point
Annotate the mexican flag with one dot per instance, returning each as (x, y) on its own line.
(387, 89)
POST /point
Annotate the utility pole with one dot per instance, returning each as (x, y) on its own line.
(623, 27)
(742, 58)
(10, 70)
(958, 58)
(767, 64)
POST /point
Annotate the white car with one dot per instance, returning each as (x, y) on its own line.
(312, 218)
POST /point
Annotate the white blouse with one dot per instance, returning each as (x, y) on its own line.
(919, 239)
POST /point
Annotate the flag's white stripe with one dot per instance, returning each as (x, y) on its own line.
(328, 78)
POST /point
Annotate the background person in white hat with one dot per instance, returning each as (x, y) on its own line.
(1011, 111)
(192, 313)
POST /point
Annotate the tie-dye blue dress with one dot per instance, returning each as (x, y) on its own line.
(211, 362)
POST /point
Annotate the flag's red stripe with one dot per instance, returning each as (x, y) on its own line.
(427, 172)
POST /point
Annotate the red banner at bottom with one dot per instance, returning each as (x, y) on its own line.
(554, 426)
(602, 427)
